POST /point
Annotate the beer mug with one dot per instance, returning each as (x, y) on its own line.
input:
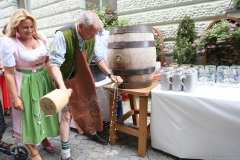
(165, 75)
(210, 75)
(177, 77)
(222, 76)
(200, 74)
(189, 80)
(234, 76)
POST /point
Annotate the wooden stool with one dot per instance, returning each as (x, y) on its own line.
(142, 112)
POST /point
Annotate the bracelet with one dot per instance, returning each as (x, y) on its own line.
(14, 99)
(109, 75)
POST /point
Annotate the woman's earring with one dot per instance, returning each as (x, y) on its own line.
(18, 35)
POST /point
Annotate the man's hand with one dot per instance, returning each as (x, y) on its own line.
(116, 79)
(68, 91)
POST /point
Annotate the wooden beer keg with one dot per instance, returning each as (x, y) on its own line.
(54, 101)
(132, 55)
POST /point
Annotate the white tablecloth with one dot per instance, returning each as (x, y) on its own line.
(204, 124)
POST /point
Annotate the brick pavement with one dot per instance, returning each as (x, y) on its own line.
(83, 148)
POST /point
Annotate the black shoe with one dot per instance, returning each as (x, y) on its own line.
(69, 158)
(99, 139)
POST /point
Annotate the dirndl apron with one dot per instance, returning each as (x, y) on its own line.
(32, 125)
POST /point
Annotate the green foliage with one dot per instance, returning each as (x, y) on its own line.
(223, 31)
(183, 52)
(108, 16)
(236, 4)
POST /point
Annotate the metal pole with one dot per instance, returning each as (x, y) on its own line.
(27, 5)
(101, 4)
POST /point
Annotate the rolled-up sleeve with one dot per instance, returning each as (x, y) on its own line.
(97, 54)
(57, 57)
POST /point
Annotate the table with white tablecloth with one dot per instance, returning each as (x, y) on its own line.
(204, 124)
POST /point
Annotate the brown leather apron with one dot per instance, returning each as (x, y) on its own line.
(83, 103)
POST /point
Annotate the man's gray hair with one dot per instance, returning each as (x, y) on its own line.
(88, 18)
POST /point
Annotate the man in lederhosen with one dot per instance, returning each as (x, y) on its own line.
(83, 34)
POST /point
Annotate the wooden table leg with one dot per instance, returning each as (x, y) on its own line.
(113, 117)
(132, 99)
(142, 139)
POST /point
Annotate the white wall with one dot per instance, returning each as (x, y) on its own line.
(7, 7)
(50, 14)
(165, 15)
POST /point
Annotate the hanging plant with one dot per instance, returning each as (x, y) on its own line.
(223, 31)
(108, 16)
(159, 43)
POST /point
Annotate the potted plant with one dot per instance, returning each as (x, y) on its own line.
(236, 4)
(234, 9)
(108, 16)
(160, 47)
(225, 31)
(183, 52)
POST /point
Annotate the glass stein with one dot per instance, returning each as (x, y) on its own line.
(222, 76)
(234, 76)
(210, 75)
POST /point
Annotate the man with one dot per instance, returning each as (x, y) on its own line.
(85, 30)
(102, 42)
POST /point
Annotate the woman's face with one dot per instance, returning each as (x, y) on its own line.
(26, 29)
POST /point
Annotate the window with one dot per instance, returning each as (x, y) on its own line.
(24, 4)
(100, 3)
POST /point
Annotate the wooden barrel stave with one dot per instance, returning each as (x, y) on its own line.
(133, 53)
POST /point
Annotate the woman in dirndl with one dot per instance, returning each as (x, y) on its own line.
(24, 53)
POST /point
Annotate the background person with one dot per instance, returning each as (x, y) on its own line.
(2, 120)
(24, 53)
(6, 102)
(101, 43)
(84, 30)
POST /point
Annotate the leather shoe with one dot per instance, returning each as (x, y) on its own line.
(99, 139)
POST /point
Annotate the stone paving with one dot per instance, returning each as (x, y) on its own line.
(83, 148)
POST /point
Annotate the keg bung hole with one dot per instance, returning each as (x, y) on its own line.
(118, 58)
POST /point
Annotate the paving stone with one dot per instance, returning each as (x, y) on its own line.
(94, 155)
(83, 148)
(125, 153)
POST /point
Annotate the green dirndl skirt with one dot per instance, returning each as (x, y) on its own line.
(36, 125)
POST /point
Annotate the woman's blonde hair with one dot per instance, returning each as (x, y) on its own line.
(4, 30)
(16, 18)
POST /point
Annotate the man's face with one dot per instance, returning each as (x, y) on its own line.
(87, 33)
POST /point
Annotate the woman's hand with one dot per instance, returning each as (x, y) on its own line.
(116, 79)
(17, 104)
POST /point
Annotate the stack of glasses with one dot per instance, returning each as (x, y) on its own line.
(222, 76)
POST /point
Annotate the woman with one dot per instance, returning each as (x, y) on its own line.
(24, 53)
(6, 102)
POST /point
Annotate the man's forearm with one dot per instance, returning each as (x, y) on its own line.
(57, 76)
(103, 66)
